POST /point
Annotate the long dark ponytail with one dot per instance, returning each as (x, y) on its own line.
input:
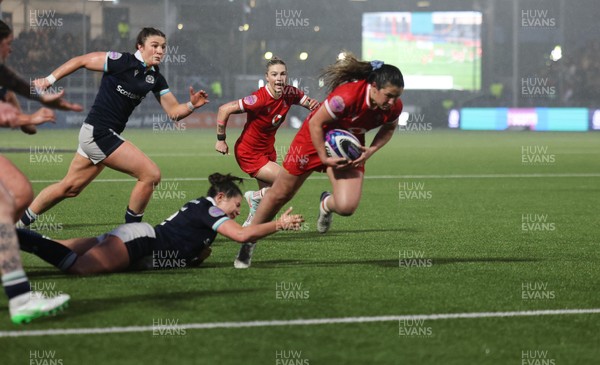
(226, 184)
(349, 68)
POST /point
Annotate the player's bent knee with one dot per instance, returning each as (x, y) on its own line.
(152, 176)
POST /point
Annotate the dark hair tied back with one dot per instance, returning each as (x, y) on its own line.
(227, 184)
(351, 68)
(147, 32)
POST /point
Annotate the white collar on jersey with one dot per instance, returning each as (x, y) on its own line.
(368, 99)
(138, 55)
(269, 91)
(211, 200)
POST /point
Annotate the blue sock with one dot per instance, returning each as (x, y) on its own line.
(48, 250)
(15, 283)
(28, 217)
(133, 217)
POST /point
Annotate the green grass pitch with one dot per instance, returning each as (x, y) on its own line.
(449, 222)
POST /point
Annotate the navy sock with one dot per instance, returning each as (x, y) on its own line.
(50, 251)
(15, 283)
(133, 217)
(28, 217)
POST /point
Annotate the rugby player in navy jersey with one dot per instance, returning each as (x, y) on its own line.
(16, 193)
(126, 81)
(185, 235)
(24, 121)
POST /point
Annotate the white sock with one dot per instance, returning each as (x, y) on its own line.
(323, 206)
(263, 191)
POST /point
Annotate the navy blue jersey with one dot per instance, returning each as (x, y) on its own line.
(3, 92)
(124, 84)
(192, 228)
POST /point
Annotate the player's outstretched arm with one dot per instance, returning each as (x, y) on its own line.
(92, 61)
(11, 98)
(177, 111)
(225, 110)
(42, 115)
(57, 101)
(287, 222)
(11, 81)
(8, 115)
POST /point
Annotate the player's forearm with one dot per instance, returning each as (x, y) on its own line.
(315, 127)
(23, 119)
(383, 136)
(91, 61)
(10, 80)
(223, 114)
(254, 232)
(179, 112)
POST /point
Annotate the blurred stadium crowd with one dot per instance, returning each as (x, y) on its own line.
(575, 77)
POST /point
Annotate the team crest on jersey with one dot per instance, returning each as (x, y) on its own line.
(215, 212)
(250, 100)
(150, 79)
(114, 55)
(135, 73)
(337, 104)
(277, 119)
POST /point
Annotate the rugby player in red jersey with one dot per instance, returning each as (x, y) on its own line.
(363, 96)
(266, 109)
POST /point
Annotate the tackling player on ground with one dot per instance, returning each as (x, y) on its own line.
(187, 234)
(126, 81)
(266, 109)
(363, 96)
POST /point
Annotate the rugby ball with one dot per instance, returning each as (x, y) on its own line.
(342, 144)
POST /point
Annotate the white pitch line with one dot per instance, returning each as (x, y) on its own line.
(296, 322)
(374, 177)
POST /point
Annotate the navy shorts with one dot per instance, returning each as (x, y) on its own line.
(96, 144)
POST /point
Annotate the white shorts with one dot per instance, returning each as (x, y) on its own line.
(130, 231)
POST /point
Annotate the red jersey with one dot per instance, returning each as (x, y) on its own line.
(349, 105)
(265, 115)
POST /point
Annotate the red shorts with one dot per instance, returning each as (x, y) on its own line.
(250, 160)
(302, 158)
